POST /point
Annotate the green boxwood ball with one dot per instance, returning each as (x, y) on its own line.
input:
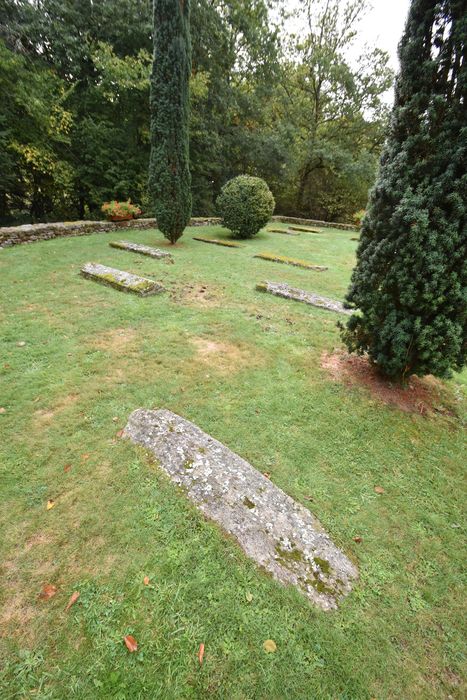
(245, 204)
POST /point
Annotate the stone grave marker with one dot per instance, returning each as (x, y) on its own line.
(119, 279)
(279, 534)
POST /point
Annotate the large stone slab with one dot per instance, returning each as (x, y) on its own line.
(124, 281)
(276, 532)
(216, 241)
(285, 231)
(272, 257)
(141, 249)
(306, 229)
(280, 289)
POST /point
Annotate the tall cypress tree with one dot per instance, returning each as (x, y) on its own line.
(410, 279)
(169, 171)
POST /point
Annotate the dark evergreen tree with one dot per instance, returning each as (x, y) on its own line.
(169, 166)
(410, 279)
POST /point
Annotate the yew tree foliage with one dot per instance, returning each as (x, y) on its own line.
(410, 279)
(169, 167)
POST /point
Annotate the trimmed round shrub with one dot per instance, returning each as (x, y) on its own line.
(245, 205)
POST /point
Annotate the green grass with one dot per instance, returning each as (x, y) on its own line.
(246, 368)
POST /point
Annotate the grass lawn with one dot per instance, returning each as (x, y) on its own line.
(246, 367)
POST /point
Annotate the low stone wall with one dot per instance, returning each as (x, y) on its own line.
(29, 233)
(314, 222)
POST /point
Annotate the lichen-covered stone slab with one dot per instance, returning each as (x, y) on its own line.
(280, 289)
(290, 261)
(141, 249)
(285, 231)
(216, 241)
(306, 229)
(276, 532)
(124, 281)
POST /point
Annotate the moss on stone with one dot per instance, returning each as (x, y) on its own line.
(249, 504)
(290, 261)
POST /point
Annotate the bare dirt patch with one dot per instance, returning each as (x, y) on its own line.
(44, 416)
(220, 355)
(424, 396)
(115, 340)
(197, 295)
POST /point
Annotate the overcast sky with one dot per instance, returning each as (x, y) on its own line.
(382, 26)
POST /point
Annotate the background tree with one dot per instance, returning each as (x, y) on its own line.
(410, 278)
(169, 165)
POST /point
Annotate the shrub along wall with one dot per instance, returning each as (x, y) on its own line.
(28, 233)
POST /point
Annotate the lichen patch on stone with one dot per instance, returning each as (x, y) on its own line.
(280, 535)
(272, 257)
(119, 279)
(216, 241)
(280, 289)
(141, 249)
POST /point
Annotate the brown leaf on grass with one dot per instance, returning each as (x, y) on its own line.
(85, 456)
(115, 419)
(308, 498)
(73, 598)
(67, 467)
(357, 539)
(269, 646)
(2, 410)
(146, 580)
(379, 489)
(48, 591)
(119, 433)
(50, 504)
(201, 653)
(267, 475)
(130, 643)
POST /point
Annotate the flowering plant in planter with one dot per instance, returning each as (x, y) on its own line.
(120, 211)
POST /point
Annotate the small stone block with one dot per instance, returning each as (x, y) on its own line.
(279, 534)
(124, 281)
(216, 241)
(290, 261)
(280, 289)
(139, 248)
(284, 231)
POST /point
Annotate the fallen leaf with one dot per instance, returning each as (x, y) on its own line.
(201, 653)
(48, 591)
(2, 410)
(21, 343)
(7, 365)
(67, 467)
(115, 419)
(267, 475)
(379, 489)
(73, 598)
(130, 643)
(308, 498)
(119, 433)
(357, 539)
(50, 504)
(85, 456)
(249, 597)
(269, 646)
(146, 580)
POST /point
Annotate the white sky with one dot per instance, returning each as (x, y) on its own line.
(382, 25)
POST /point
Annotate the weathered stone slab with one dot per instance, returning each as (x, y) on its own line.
(125, 281)
(276, 532)
(284, 231)
(139, 248)
(290, 261)
(280, 289)
(216, 241)
(306, 229)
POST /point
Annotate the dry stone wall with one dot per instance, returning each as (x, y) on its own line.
(29, 233)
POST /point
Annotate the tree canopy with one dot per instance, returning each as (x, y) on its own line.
(74, 106)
